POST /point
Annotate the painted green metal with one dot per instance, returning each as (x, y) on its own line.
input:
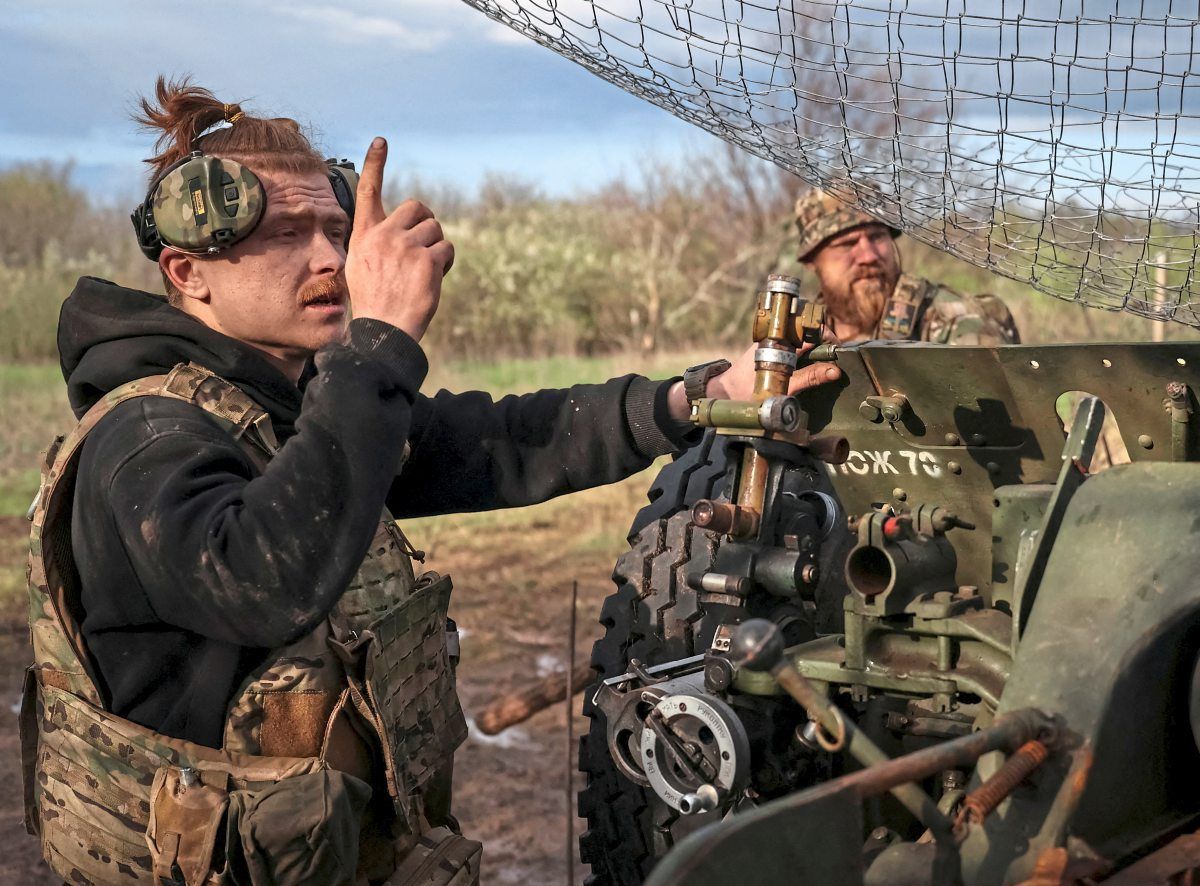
(732, 414)
(1110, 647)
(1028, 587)
(1109, 653)
(978, 419)
(765, 840)
(1076, 459)
(1018, 517)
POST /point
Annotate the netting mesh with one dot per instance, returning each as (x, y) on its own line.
(1054, 143)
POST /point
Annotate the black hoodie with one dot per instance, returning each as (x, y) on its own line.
(194, 564)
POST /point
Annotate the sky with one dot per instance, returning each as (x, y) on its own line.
(459, 96)
(456, 94)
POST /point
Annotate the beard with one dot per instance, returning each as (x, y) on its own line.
(859, 302)
(329, 290)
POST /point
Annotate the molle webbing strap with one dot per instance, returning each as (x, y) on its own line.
(224, 401)
(54, 583)
(903, 310)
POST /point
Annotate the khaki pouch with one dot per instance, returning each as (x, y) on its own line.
(300, 829)
(185, 816)
(440, 858)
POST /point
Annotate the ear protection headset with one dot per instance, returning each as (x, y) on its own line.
(204, 205)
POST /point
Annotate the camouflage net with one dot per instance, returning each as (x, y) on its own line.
(1054, 143)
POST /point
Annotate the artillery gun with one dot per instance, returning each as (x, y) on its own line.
(896, 630)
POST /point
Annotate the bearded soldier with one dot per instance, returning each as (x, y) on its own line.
(239, 678)
(866, 293)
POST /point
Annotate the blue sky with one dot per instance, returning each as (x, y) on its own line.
(459, 95)
(456, 94)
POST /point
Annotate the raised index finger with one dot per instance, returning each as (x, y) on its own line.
(368, 199)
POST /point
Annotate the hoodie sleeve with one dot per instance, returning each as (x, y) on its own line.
(217, 548)
(470, 453)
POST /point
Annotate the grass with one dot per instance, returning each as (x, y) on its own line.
(35, 408)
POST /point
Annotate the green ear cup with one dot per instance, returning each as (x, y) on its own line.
(206, 204)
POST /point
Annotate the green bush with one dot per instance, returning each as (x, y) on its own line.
(670, 262)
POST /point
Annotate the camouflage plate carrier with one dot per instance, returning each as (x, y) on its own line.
(921, 310)
(367, 698)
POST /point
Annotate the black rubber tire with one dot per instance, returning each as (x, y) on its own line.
(653, 616)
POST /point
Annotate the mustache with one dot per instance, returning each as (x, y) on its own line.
(869, 272)
(328, 290)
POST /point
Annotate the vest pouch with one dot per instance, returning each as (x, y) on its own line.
(300, 829)
(405, 674)
(187, 811)
(304, 829)
(440, 858)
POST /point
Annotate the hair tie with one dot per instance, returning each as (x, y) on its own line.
(236, 116)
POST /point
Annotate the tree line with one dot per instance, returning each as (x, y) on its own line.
(669, 258)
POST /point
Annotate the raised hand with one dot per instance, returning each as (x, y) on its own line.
(395, 265)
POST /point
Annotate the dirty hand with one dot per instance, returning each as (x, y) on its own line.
(737, 382)
(395, 265)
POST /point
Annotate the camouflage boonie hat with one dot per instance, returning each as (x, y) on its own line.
(820, 215)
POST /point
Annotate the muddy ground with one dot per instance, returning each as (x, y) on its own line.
(513, 575)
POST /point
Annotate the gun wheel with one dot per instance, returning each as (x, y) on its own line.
(652, 616)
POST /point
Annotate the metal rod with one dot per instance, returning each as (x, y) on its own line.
(858, 746)
(758, 646)
(1006, 734)
(571, 738)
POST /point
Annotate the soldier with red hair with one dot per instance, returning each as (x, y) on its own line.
(240, 676)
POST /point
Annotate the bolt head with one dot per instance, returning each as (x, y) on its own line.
(718, 675)
(1146, 441)
(870, 413)
(954, 467)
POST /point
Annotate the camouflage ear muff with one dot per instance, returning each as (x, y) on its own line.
(200, 205)
(345, 186)
(204, 205)
(344, 180)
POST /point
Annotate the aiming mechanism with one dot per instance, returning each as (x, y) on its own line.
(882, 699)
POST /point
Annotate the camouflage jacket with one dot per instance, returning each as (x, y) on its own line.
(113, 801)
(921, 310)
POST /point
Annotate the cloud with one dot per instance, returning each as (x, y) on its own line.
(456, 93)
(348, 25)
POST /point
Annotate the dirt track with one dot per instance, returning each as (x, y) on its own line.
(512, 609)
